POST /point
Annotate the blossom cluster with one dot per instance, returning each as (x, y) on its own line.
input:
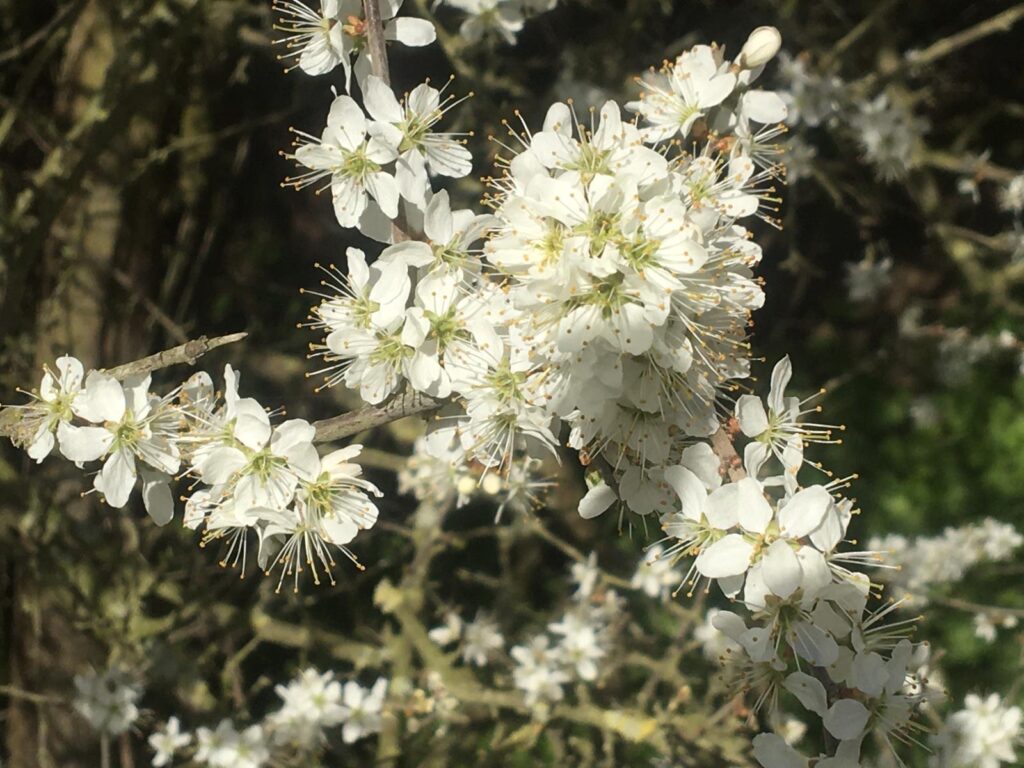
(500, 19)
(889, 133)
(313, 705)
(250, 474)
(609, 290)
(984, 734)
(926, 563)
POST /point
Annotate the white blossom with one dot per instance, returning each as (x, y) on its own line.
(362, 709)
(107, 700)
(168, 742)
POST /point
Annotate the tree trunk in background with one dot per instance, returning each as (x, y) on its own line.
(76, 258)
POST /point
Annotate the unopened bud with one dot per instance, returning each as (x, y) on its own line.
(466, 485)
(491, 484)
(761, 46)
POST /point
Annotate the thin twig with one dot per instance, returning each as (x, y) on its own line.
(1001, 22)
(348, 424)
(186, 353)
(732, 464)
(375, 41)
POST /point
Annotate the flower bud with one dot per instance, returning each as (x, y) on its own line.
(466, 485)
(761, 46)
(491, 484)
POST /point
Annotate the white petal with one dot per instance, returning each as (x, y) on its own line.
(411, 32)
(117, 478)
(846, 719)
(156, 495)
(755, 455)
(101, 400)
(809, 691)
(252, 425)
(771, 751)
(781, 374)
(42, 444)
(380, 101)
(80, 444)
(291, 434)
(690, 489)
(339, 530)
(805, 511)
(729, 556)
(358, 272)
(722, 508)
(763, 106)
(218, 467)
(751, 415)
(815, 572)
(781, 569)
(729, 624)
(384, 189)
(596, 501)
(346, 122)
(753, 512)
(424, 371)
(700, 458)
(437, 224)
(558, 119)
(813, 643)
(71, 373)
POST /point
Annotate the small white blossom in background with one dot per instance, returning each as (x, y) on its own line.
(655, 575)
(799, 159)
(986, 625)
(539, 672)
(310, 704)
(929, 562)
(501, 19)
(890, 135)
(107, 700)
(811, 98)
(714, 643)
(984, 734)
(226, 747)
(442, 482)
(168, 742)
(1011, 197)
(792, 730)
(924, 413)
(481, 640)
(868, 278)
(362, 709)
